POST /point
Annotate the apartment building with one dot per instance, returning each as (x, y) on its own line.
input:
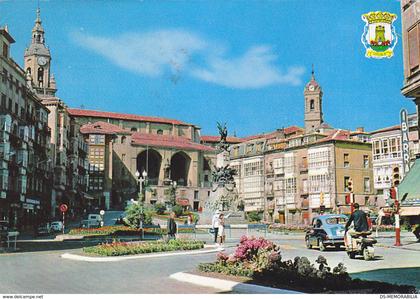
(25, 173)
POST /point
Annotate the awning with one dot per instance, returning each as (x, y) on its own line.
(410, 211)
(410, 184)
(183, 202)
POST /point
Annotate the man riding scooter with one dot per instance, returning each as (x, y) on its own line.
(356, 239)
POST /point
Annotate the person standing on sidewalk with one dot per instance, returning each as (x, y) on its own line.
(415, 227)
(416, 232)
(221, 230)
(171, 227)
(215, 225)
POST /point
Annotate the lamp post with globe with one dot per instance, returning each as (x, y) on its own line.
(141, 179)
(173, 193)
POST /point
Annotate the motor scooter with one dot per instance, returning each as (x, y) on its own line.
(359, 243)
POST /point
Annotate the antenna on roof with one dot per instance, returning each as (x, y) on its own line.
(313, 72)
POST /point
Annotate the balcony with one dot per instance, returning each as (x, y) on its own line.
(269, 171)
(278, 170)
(304, 191)
(303, 167)
(280, 201)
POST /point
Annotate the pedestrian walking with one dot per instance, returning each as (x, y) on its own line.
(171, 227)
(215, 224)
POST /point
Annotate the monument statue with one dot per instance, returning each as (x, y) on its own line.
(224, 196)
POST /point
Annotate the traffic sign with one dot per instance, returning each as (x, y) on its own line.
(63, 208)
(102, 212)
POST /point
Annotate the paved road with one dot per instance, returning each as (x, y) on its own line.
(45, 272)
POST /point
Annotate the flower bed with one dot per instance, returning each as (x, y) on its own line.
(124, 248)
(287, 228)
(261, 260)
(118, 230)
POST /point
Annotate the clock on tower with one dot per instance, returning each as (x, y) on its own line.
(38, 60)
(313, 105)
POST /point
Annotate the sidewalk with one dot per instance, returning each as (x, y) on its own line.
(408, 241)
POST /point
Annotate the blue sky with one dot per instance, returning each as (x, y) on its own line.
(243, 62)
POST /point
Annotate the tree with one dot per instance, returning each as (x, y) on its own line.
(135, 212)
(178, 210)
(160, 208)
(254, 216)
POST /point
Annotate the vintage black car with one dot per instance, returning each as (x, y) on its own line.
(4, 230)
(326, 230)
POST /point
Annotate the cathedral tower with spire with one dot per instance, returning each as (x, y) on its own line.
(37, 61)
(313, 105)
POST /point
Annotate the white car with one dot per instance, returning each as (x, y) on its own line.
(56, 226)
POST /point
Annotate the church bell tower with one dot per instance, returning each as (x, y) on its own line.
(37, 61)
(313, 105)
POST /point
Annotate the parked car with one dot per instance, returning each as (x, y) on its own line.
(56, 226)
(326, 230)
(94, 220)
(44, 229)
(4, 230)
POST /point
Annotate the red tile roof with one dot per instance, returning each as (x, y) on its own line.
(169, 141)
(396, 127)
(339, 135)
(101, 127)
(263, 135)
(292, 129)
(274, 134)
(229, 139)
(123, 116)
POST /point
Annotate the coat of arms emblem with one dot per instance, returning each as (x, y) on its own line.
(379, 36)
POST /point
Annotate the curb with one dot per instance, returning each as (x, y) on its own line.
(77, 257)
(227, 285)
(397, 247)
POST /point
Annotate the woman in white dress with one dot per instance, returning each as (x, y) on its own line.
(221, 231)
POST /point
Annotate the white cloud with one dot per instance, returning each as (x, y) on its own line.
(150, 53)
(176, 51)
(255, 69)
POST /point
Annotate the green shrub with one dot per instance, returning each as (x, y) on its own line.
(178, 210)
(134, 212)
(160, 208)
(254, 216)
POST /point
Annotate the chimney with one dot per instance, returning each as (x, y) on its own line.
(360, 129)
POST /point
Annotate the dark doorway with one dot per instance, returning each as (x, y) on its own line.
(150, 161)
(180, 164)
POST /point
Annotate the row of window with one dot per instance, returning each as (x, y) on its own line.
(18, 88)
(366, 185)
(96, 183)
(253, 168)
(97, 139)
(387, 147)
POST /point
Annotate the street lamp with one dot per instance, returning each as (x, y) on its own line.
(173, 193)
(141, 179)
